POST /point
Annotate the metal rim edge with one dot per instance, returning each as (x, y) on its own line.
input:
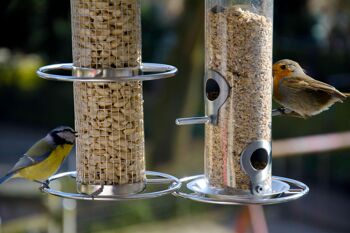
(174, 184)
(160, 71)
(303, 190)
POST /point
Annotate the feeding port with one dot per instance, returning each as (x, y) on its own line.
(107, 75)
(238, 101)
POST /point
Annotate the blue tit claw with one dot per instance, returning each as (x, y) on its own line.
(44, 185)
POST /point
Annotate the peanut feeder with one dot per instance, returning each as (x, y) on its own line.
(109, 116)
(107, 72)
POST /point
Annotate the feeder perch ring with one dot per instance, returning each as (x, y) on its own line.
(161, 179)
(290, 190)
(147, 72)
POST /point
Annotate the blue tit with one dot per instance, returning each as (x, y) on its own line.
(45, 157)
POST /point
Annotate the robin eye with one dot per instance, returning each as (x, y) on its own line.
(283, 67)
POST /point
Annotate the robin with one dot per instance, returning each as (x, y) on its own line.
(298, 92)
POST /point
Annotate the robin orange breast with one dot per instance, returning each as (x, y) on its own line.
(297, 91)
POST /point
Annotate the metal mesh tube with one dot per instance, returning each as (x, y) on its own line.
(108, 116)
(239, 47)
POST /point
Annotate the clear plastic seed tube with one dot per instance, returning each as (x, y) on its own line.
(239, 48)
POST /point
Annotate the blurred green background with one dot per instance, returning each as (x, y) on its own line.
(316, 33)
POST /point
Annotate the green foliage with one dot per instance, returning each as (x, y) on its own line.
(18, 71)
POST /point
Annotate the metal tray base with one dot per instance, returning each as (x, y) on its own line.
(153, 180)
(283, 190)
(200, 185)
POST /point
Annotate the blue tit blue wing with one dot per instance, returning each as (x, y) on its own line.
(27, 161)
(40, 148)
(6, 177)
(37, 153)
(24, 162)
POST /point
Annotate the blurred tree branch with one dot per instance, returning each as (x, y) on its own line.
(173, 94)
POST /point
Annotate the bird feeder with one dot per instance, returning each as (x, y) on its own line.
(107, 74)
(238, 102)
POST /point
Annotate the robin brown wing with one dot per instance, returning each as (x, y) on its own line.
(320, 89)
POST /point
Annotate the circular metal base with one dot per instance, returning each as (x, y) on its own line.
(172, 184)
(201, 185)
(147, 71)
(107, 190)
(283, 190)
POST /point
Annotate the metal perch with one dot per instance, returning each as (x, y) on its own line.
(282, 111)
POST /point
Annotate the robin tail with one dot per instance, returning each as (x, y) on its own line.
(346, 94)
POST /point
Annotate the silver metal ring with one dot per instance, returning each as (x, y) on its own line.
(147, 71)
(172, 183)
(297, 190)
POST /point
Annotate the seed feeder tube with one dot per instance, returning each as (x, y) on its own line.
(107, 74)
(238, 106)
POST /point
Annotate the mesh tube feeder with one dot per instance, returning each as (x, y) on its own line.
(238, 105)
(107, 74)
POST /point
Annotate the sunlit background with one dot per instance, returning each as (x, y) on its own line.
(316, 33)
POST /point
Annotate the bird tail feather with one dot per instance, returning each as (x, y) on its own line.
(6, 177)
(346, 94)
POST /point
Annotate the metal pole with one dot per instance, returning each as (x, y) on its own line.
(69, 216)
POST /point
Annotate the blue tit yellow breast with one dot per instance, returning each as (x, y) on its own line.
(47, 167)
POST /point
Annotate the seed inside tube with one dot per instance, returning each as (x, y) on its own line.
(239, 45)
(109, 116)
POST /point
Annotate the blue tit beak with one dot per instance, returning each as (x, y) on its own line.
(76, 134)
